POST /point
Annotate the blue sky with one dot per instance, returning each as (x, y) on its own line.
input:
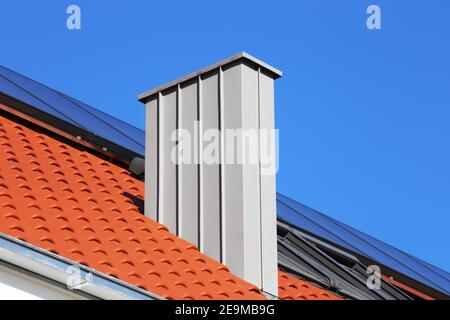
(363, 115)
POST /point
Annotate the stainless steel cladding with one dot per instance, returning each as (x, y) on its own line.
(227, 208)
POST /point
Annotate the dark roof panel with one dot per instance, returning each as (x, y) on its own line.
(356, 241)
(72, 111)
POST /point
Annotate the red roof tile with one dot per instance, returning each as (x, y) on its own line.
(290, 288)
(81, 207)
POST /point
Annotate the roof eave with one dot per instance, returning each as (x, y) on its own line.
(57, 269)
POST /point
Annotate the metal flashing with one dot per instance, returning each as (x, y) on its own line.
(274, 72)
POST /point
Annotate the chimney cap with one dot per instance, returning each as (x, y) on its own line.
(274, 72)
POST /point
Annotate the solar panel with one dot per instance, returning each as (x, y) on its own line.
(356, 241)
(135, 134)
(71, 110)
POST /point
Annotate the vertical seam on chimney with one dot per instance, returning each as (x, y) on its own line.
(158, 161)
(221, 168)
(178, 201)
(260, 182)
(200, 165)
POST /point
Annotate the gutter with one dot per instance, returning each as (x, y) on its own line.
(54, 268)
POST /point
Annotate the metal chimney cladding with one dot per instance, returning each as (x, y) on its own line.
(227, 210)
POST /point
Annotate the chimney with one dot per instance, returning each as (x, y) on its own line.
(210, 164)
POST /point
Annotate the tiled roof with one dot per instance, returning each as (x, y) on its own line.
(83, 208)
(290, 288)
(86, 209)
